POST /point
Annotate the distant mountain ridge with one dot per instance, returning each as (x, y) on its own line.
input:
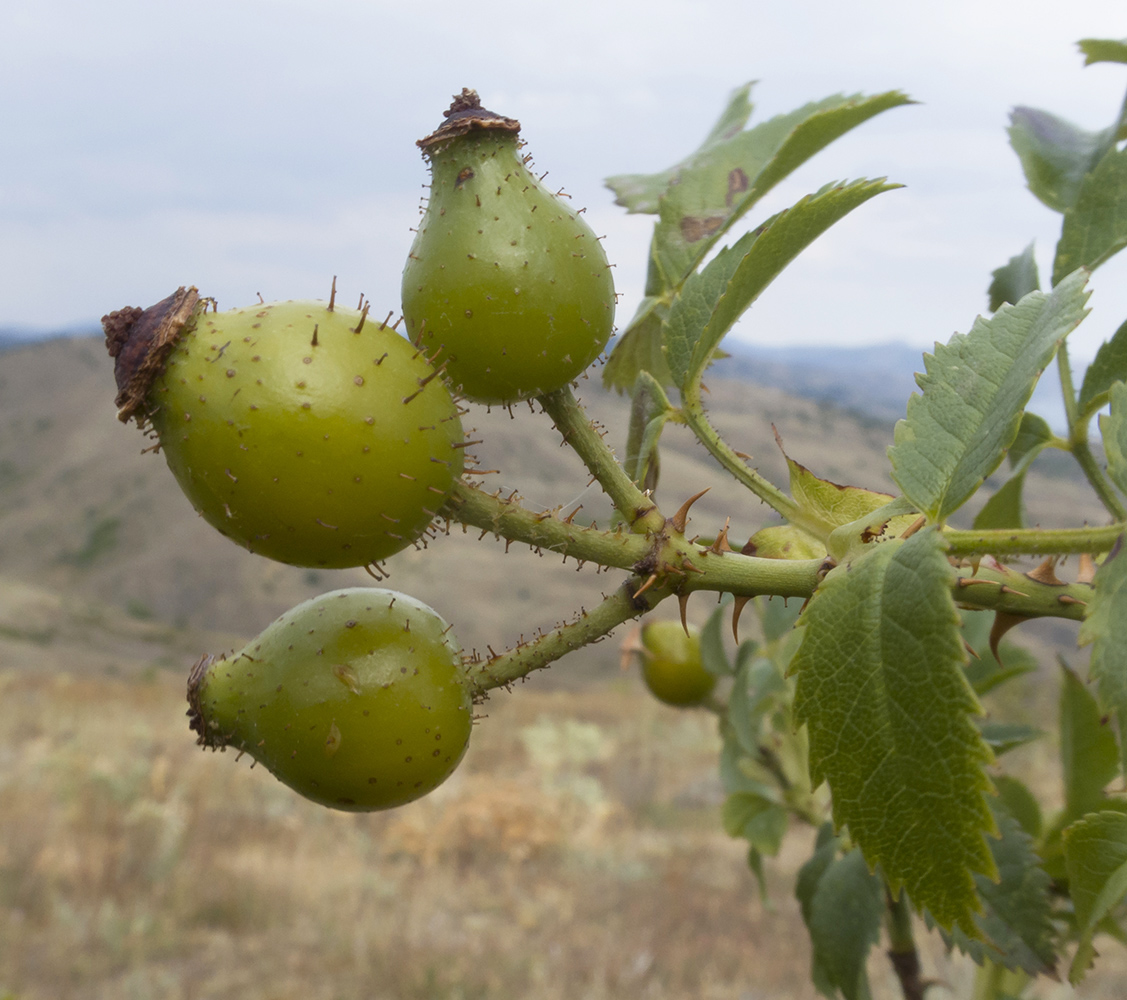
(875, 380)
(21, 336)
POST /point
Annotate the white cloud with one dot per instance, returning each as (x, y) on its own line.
(263, 145)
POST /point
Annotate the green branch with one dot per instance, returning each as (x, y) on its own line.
(768, 492)
(505, 668)
(1078, 440)
(1032, 541)
(1082, 452)
(579, 433)
(506, 518)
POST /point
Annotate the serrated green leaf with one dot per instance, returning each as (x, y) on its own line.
(778, 616)
(1055, 154)
(1033, 435)
(757, 691)
(638, 349)
(1095, 228)
(1020, 803)
(1108, 367)
(1103, 50)
(1105, 628)
(713, 655)
(805, 886)
(1004, 736)
(1006, 508)
(842, 907)
(642, 192)
(758, 819)
(739, 772)
(829, 505)
(1016, 922)
(1113, 428)
(1095, 853)
(1088, 752)
(889, 713)
(974, 390)
(719, 187)
(1014, 280)
(755, 863)
(711, 301)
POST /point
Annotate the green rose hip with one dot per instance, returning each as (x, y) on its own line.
(671, 664)
(300, 430)
(505, 280)
(356, 699)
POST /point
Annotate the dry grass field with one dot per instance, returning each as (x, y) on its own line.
(577, 853)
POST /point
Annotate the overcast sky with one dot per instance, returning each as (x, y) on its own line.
(262, 146)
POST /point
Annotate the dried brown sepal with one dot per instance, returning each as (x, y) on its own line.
(465, 115)
(139, 341)
(196, 721)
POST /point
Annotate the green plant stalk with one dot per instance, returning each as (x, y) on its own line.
(579, 433)
(1078, 440)
(504, 669)
(508, 519)
(1082, 452)
(683, 567)
(768, 492)
(1032, 541)
(1012, 592)
(1068, 390)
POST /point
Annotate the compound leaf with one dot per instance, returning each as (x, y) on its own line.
(889, 712)
(1108, 367)
(712, 300)
(1014, 280)
(707, 196)
(974, 390)
(642, 192)
(1095, 227)
(1055, 154)
(1095, 853)
(1105, 627)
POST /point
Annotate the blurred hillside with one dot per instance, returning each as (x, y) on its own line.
(99, 550)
